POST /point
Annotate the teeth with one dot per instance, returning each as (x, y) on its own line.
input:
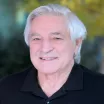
(48, 58)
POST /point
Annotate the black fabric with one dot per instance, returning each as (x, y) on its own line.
(82, 87)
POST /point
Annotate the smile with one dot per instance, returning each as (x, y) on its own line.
(48, 58)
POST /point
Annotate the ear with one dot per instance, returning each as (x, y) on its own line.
(78, 42)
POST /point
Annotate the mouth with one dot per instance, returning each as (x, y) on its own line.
(48, 58)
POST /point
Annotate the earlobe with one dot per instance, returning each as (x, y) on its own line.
(78, 43)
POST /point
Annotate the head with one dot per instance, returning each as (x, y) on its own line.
(53, 31)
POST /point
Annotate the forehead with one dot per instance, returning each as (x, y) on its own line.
(48, 23)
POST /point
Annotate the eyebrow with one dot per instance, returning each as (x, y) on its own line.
(34, 34)
(55, 33)
(52, 33)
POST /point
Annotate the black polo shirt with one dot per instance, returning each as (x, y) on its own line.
(82, 87)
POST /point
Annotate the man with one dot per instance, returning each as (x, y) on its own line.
(54, 35)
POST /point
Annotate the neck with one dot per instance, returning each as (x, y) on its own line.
(51, 83)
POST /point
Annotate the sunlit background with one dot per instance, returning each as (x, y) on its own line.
(14, 54)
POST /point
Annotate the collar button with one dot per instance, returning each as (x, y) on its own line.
(48, 102)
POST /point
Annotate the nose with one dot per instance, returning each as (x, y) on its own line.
(46, 46)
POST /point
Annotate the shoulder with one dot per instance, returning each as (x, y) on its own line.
(91, 78)
(89, 73)
(14, 80)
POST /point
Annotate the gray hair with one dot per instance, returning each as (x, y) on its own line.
(76, 27)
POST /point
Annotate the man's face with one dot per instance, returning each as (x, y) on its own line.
(51, 48)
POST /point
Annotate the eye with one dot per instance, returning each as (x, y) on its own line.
(57, 38)
(36, 39)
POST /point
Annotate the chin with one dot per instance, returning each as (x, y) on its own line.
(47, 68)
(47, 71)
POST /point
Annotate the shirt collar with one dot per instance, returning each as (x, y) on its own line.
(74, 82)
(75, 79)
(31, 84)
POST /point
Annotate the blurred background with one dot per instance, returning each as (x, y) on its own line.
(14, 54)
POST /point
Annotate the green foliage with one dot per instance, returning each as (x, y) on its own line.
(91, 13)
(29, 5)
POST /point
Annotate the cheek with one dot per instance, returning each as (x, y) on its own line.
(67, 51)
(34, 49)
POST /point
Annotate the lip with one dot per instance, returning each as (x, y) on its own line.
(54, 58)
